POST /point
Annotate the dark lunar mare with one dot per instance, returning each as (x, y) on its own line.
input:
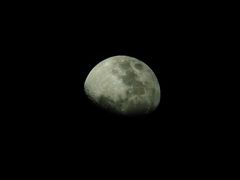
(130, 79)
(136, 88)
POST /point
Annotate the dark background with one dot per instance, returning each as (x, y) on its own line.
(58, 47)
(55, 47)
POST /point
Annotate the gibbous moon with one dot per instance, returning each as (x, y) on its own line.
(123, 85)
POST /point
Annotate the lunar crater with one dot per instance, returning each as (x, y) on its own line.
(138, 66)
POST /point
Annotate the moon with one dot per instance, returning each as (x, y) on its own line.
(123, 85)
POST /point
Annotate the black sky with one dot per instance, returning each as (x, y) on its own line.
(52, 50)
(59, 48)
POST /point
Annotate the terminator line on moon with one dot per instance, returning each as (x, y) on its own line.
(123, 85)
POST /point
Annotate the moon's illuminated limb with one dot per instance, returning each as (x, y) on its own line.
(124, 85)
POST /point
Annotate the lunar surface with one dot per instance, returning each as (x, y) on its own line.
(123, 85)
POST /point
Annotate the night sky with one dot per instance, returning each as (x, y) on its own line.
(58, 48)
(61, 49)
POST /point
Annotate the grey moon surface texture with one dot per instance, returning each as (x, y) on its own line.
(123, 85)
